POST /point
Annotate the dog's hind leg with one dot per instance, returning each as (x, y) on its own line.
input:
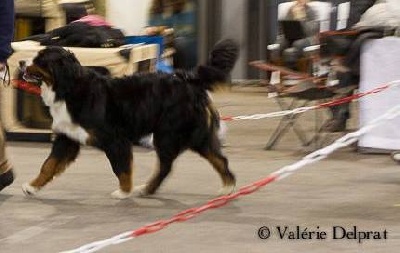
(167, 153)
(119, 153)
(64, 151)
(164, 168)
(219, 162)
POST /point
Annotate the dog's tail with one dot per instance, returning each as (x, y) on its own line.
(221, 61)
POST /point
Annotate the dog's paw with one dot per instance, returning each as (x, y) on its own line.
(226, 190)
(29, 190)
(118, 194)
(141, 191)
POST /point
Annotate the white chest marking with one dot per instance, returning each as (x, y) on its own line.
(62, 122)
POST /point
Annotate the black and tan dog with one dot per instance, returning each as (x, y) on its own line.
(113, 113)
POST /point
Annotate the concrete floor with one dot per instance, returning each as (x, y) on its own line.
(347, 189)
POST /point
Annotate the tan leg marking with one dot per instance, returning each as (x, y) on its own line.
(51, 168)
(219, 165)
(125, 182)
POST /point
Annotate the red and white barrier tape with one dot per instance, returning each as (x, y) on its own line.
(308, 108)
(286, 171)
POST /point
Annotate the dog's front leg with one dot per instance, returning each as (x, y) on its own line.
(119, 153)
(64, 151)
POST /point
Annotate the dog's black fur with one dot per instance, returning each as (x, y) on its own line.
(117, 112)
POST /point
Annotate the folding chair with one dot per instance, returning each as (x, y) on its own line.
(288, 121)
(308, 90)
(311, 88)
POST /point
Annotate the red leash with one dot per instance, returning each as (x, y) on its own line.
(25, 86)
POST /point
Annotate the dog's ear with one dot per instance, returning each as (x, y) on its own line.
(66, 72)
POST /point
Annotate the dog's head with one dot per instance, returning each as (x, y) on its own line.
(57, 68)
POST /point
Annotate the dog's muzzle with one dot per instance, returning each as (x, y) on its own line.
(31, 78)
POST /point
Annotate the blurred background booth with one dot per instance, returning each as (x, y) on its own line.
(253, 23)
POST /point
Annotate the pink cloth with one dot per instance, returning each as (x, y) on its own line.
(94, 20)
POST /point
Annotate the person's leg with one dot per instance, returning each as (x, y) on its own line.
(290, 57)
(357, 8)
(6, 172)
(340, 113)
(301, 44)
(294, 55)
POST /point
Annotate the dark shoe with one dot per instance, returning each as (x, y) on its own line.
(6, 179)
(334, 125)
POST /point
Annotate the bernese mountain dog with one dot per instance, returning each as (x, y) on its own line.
(112, 114)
